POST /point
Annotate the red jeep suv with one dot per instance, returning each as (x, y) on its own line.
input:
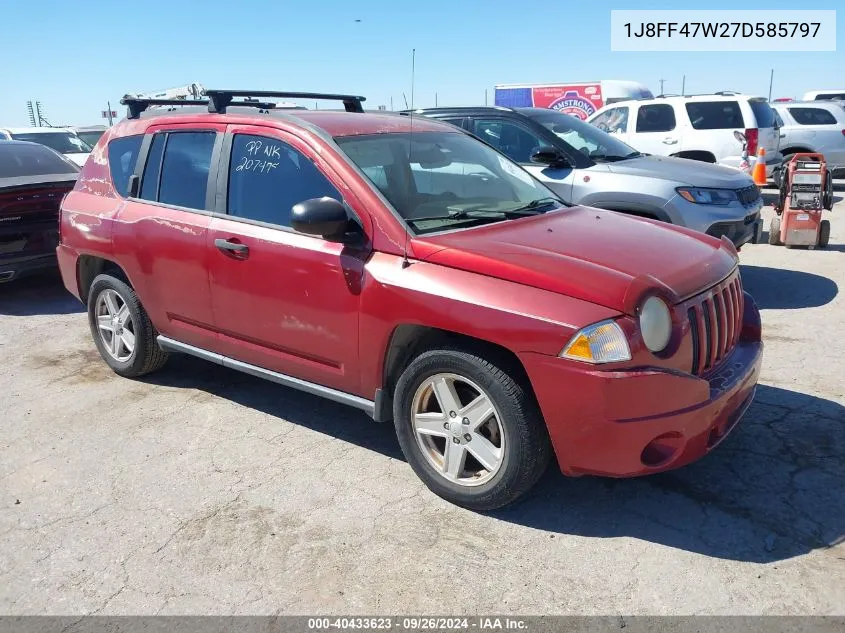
(400, 266)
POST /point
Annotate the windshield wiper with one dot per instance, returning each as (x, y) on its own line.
(531, 207)
(473, 214)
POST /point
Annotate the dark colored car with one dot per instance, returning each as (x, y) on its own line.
(407, 269)
(33, 180)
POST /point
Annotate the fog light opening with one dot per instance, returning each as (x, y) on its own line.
(661, 449)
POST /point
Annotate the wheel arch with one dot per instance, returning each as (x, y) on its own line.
(407, 341)
(89, 266)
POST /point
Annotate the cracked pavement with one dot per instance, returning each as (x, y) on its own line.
(199, 490)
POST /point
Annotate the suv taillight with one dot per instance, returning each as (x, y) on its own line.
(752, 137)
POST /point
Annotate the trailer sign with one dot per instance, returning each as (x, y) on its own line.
(106, 114)
(579, 100)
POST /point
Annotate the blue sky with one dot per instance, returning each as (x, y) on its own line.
(75, 56)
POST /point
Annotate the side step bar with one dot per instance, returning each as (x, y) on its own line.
(368, 406)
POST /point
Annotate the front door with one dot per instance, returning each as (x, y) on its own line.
(518, 143)
(282, 300)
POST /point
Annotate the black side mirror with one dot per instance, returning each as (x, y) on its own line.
(325, 217)
(549, 156)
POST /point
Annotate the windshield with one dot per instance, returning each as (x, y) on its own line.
(440, 180)
(584, 137)
(62, 142)
(31, 160)
(91, 138)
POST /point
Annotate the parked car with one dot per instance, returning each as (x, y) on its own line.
(813, 127)
(33, 179)
(699, 127)
(90, 134)
(586, 166)
(341, 254)
(824, 95)
(63, 140)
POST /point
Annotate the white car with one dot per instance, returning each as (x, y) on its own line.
(698, 127)
(815, 127)
(63, 140)
(824, 95)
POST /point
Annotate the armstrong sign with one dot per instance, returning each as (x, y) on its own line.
(580, 100)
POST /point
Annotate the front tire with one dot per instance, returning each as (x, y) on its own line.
(824, 233)
(469, 429)
(122, 331)
(774, 231)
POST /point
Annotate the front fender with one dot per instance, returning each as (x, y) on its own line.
(516, 317)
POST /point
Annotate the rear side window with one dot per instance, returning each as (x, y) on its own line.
(812, 116)
(658, 117)
(715, 115)
(268, 177)
(123, 152)
(763, 112)
(180, 176)
(827, 96)
(18, 159)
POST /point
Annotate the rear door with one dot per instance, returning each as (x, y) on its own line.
(161, 233)
(282, 300)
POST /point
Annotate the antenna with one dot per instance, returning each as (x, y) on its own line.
(405, 262)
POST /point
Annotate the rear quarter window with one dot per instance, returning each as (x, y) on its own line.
(123, 152)
(715, 115)
(762, 112)
(18, 160)
(812, 116)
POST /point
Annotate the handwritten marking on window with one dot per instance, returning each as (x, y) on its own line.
(256, 165)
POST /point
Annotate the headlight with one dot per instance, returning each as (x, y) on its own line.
(602, 342)
(707, 196)
(655, 324)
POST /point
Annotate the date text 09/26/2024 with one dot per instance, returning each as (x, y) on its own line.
(417, 623)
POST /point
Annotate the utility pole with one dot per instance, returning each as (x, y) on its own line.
(684, 86)
(771, 81)
(662, 81)
(391, 103)
(435, 99)
(485, 96)
(108, 103)
(31, 112)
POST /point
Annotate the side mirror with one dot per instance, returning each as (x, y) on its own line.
(549, 156)
(325, 217)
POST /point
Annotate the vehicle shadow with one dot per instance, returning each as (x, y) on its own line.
(43, 293)
(773, 490)
(313, 412)
(781, 289)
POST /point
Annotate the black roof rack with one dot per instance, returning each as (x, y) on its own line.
(218, 100)
(137, 105)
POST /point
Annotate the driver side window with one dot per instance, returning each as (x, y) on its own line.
(513, 140)
(613, 121)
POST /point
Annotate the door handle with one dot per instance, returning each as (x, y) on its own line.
(232, 247)
(669, 140)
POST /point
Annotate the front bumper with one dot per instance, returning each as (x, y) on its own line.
(740, 223)
(749, 229)
(638, 422)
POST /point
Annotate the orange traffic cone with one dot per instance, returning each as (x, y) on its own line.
(759, 172)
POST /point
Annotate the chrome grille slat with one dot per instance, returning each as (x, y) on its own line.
(715, 324)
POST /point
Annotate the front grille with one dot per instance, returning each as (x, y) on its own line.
(748, 195)
(715, 321)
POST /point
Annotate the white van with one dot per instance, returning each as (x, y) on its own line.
(580, 100)
(698, 127)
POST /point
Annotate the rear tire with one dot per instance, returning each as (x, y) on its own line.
(122, 331)
(774, 232)
(824, 233)
(474, 460)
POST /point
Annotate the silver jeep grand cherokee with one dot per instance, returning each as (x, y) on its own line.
(586, 166)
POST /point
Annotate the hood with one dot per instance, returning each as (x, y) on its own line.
(79, 158)
(599, 256)
(683, 171)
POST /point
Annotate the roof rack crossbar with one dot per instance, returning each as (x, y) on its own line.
(219, 100)
(137, 105)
